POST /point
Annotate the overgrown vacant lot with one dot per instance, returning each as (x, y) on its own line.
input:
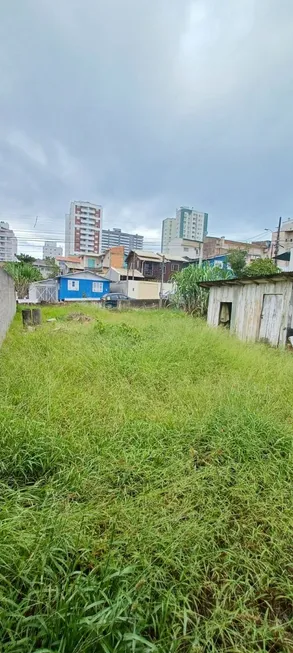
(146, 488)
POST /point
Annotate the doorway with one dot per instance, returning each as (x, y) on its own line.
(270, 319)
(225, 314)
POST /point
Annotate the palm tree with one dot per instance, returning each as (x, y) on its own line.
(23, 274)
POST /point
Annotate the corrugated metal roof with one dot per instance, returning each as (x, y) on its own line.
(123, 271)
(242, 281)
(140, 253)
(79, 273)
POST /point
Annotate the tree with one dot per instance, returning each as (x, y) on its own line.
(23, 274)
(54, 268)
(25, 258)
(237, 261)
(189, 294)
(260, 267)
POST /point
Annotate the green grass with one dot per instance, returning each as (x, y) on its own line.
(146, 483)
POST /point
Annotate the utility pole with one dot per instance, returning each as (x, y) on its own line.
(162, 282)
(278, 241)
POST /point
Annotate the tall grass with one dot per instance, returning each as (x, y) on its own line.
(146, 488)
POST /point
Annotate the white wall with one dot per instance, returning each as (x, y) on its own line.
(140, 289)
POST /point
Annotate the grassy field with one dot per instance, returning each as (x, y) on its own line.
(146, 488)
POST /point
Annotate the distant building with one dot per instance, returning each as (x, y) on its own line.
(168, 232)
(114, 257)
(150, 265)
(115, 237)
(183, 247)
(44, 267)
(191, 224)
(51, 250)
(83, 229)
(216, 246)
(8, 243)
(285, 241)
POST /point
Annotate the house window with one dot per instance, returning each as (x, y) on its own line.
(186, 249)
(72, 285)
(174, 267)
(97, 286)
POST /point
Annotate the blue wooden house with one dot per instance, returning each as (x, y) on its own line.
(82, 286)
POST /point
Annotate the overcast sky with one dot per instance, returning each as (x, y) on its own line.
(144, 105)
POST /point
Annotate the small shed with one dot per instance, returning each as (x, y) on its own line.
(254, 308)
(82, 286)
(43, 291)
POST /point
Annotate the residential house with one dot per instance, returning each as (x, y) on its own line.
(214, 246)
(82, 286)
(254, 308)
(150, 264)
(183, 247)
(114, 257)
(121, 274)
(69, 264)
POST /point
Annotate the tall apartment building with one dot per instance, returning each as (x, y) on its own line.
(51, 249)
(191, 224)
(168, 232)
(8, 243)
(116, 237)
(83, 229)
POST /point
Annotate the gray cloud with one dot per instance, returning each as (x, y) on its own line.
(142, 106)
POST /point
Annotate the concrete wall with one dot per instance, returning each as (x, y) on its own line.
(7, 302)
(140, 289)
(247, 304)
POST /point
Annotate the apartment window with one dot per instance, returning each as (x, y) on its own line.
(186, 249)
(97, 286)
(174, 267)
(72, 285)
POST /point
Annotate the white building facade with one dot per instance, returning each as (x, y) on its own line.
(83, 229)
(184, 248)
(8, 243)
(51, 249)
(191, 224)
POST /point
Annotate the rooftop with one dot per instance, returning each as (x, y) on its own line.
(245, 281)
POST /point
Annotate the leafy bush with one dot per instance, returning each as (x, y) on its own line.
(23, 274)
(261, 267)
(189, 294)
(237, 261)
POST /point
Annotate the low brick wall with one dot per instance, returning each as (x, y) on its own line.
(7, 302)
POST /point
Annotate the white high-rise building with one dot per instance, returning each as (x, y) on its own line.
(191, 224)
(83, 229)
(51, 249)
(168, 232)
(8, 243)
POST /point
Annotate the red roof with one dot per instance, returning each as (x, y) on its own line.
(71, 259)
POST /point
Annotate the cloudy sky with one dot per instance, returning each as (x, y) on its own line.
(143, 105)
